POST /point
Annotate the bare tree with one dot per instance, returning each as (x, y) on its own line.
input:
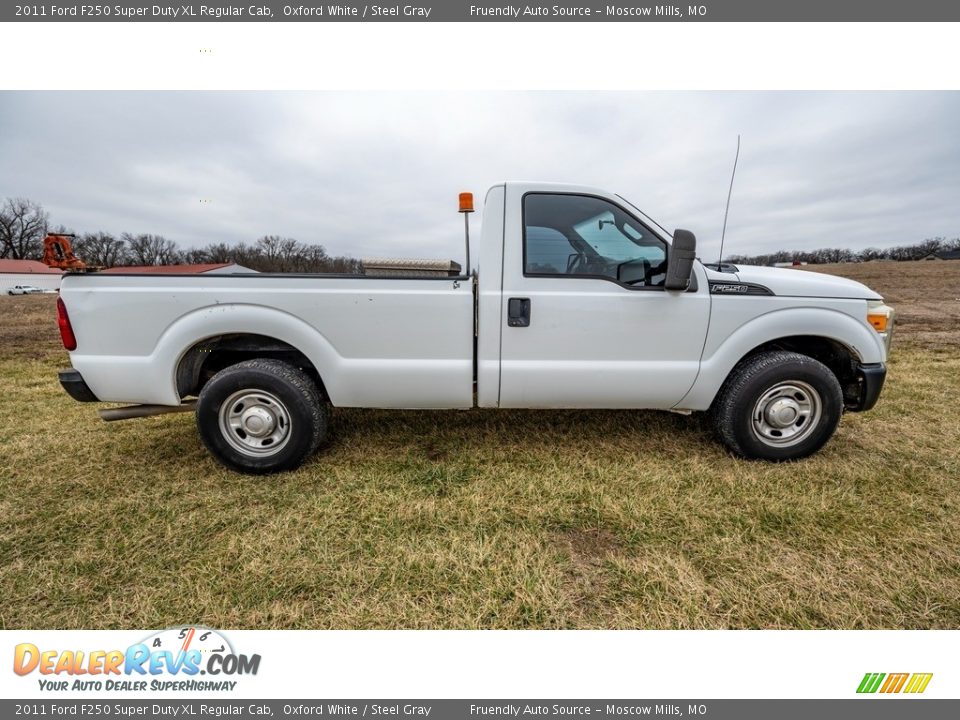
(928, 246)
(213, 253)
(151, 250)
(273, 253)
(100, 249)
(242, 254)
(219, 253)
(194, 256)
(279, 254)
(343, 264)
(23, 224)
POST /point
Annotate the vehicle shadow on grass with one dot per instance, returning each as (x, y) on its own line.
(440, 435)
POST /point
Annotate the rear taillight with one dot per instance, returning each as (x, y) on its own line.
(66, 332)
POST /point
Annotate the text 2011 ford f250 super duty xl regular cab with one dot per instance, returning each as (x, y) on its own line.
(579, 301)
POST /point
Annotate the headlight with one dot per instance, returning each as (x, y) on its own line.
(880, 317)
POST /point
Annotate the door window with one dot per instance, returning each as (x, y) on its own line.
(585, 236)
(548, 251)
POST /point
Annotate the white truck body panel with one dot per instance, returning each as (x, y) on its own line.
(375, 342)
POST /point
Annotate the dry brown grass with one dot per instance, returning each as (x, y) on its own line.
(489, 518)
(926, 295)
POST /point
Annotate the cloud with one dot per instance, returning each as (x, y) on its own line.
(378, 173)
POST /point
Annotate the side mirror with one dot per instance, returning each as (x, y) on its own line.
(683, 251)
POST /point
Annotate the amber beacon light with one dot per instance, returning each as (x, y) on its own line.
(466, 207)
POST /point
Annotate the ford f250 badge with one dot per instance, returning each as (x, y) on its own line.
(723, 288)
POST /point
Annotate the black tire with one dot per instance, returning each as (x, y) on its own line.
(276, 402)
(752, 411)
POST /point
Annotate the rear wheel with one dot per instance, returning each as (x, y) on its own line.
(261, 416)
(778, 406)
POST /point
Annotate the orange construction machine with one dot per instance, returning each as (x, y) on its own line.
(58, 253)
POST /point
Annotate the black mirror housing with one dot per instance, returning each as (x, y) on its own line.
(683, 252)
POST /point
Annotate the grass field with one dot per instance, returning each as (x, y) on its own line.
(489, 519)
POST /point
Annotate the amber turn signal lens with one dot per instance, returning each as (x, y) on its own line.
(878, 321)
(466, 202)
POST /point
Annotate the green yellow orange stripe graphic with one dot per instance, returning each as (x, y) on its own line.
(894, 682)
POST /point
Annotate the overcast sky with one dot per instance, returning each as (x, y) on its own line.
(379, 173)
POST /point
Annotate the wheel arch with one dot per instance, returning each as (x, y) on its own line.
(207, 357)
(841, 359)
(209, 337)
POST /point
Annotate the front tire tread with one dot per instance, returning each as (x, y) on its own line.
(733, 405)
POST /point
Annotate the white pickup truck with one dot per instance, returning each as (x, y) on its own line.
(579, 301)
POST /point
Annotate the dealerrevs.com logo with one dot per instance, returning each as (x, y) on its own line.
(178, 659)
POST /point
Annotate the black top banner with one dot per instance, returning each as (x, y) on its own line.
(461, 11)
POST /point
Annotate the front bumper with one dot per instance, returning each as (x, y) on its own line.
(76, 387)
(870, 379)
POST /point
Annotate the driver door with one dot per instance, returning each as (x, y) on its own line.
(586, 321)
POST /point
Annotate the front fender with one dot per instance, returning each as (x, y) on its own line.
(828, 323)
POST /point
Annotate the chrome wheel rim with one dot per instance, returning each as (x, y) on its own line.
(786, 414)
(255, 423)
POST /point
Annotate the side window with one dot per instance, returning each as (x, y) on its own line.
(548, 251)
(579, 235)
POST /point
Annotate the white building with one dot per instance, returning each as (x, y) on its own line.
(27, 272)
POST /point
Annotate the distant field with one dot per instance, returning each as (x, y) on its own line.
(489, 519)
(926, 295)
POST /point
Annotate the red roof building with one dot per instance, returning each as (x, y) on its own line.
(25, 267)
(197, 269)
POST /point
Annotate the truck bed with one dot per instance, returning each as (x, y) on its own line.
(376, 342)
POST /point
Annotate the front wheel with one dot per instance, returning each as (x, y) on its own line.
(778, 406)
(261, 416)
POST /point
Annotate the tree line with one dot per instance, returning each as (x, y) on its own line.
(24, 224)
(917, 251)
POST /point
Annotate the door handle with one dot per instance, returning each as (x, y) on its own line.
(518, 312)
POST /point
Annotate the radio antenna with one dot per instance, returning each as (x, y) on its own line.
(726, 213)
